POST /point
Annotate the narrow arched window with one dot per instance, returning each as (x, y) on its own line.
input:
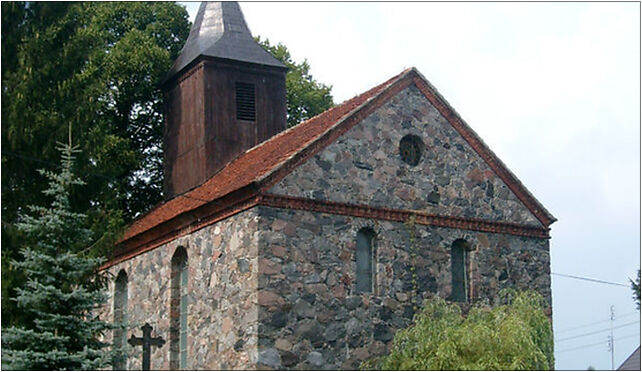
(364, 258)
(458, 253)
(120, 321)
(178, 311)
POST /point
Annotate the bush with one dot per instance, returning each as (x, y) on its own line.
(516, 335)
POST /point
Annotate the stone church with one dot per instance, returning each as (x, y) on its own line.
(308, 247)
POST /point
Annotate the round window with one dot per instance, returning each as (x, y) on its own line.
(410, 149)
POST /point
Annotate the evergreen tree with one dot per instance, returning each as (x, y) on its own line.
(62, 289)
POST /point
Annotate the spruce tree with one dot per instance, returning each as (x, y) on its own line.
(63, 287)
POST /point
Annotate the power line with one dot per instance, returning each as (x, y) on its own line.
(594, 332)
(581, 347)
(591, 280)
(597, 343)
(594, 323)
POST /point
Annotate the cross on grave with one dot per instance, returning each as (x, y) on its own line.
(147, 341)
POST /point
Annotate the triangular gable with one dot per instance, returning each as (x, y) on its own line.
(243, 180)
(364, 167)
(412, 76)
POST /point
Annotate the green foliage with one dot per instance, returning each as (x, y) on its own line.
(96, 67)
(62, 289)
(635, 287)
(515, 335)
(305, 96)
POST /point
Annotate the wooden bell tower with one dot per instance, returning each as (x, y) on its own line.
(223, 95)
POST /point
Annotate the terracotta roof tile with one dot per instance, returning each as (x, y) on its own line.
(256, 163)
(281, 152)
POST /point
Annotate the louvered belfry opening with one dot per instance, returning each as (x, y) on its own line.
(245, 102)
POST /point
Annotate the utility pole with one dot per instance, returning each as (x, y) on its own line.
(611, 340)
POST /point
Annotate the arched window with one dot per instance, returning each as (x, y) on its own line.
(178, 311)
(458, 254)
(120, 320)
(364, 256)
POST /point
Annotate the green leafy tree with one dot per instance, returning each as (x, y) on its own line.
(63, 288)
(635, 287)
(97, 67)
(515, 335)
(305, 96)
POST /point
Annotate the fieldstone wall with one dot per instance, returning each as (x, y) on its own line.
(222, 311)
(364, 167)
(274, 288)
(310, 316)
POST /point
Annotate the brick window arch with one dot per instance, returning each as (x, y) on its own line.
(365, 260)
(120, 320)
(178, 311)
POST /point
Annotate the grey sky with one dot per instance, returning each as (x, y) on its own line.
(552, 88)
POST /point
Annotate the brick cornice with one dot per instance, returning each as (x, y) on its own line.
(400, 215)
(248, 198)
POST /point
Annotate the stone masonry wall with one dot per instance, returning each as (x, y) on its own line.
(364, 167)
(274, 289)
(310, 315)
(222, 311)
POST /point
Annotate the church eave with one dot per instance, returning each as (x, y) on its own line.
(184, 223)
(201, 60)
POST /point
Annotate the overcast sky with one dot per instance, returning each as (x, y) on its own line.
(552, 88)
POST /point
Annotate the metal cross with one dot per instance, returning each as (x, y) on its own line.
(147, 341)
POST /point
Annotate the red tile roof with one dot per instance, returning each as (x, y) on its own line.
(237, 186)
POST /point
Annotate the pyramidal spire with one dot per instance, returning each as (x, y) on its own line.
(220, 31)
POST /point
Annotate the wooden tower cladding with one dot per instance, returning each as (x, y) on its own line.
(223, 96)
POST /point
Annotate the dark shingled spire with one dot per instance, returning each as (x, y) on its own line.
(219, 30)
